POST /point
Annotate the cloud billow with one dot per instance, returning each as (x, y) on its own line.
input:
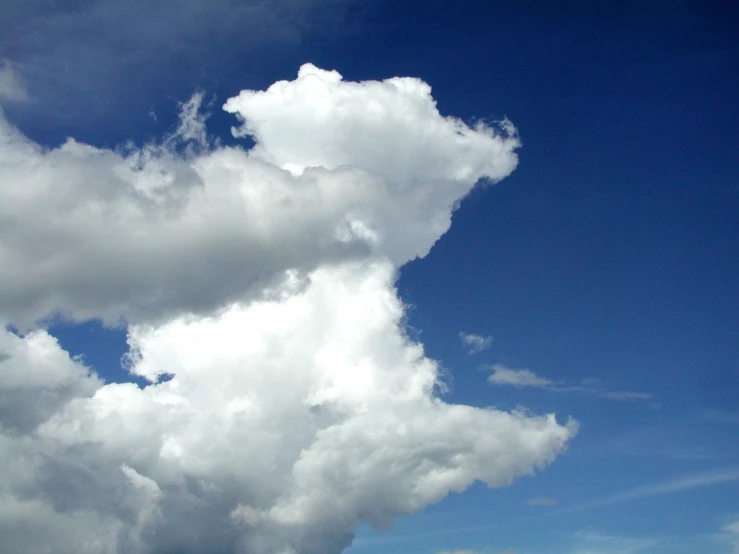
(147, 233)
(261, 284)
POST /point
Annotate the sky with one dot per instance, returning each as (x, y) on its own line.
(323, 276)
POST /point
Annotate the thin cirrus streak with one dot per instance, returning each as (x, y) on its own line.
(686, 482)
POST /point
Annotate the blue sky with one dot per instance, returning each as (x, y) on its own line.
(597, 281)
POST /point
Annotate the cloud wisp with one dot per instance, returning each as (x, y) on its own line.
(541, 501)
(683, 483)
(593, 542)
(12, 88)
(473, 343)
(286, 405)
(730, 534)
(502, 375)
(506, 376)
(718, 416)
(93, 60)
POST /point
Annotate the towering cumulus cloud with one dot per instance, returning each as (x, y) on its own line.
(285, 404)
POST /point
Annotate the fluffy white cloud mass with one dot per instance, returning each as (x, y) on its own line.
(340, 171)
(285, 404)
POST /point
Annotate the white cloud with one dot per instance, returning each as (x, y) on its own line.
(502, 375)
(285, 425)
(262, 283)
(12, 88)
(36, 379)
(475, 343)
(99, 233)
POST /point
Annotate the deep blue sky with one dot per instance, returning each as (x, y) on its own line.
(611, 253)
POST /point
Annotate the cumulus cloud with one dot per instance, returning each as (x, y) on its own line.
(37, 378)
(475, 343)
(285, 403)
(286, 423)
(339, 171)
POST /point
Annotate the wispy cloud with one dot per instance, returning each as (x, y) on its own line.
(593, 542)
(685, 482)
(718, 416)
(107, 55)
(542, 501)
(475, 343)
(484, 551)
(730, 534)
(502, 375)
(677, 440)
(12, 88)
(625, 395)
(588, 542)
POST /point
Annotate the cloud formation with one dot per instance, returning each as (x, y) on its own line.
(340, 171)
(286, 405)
(475, 343)
(253, 446)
